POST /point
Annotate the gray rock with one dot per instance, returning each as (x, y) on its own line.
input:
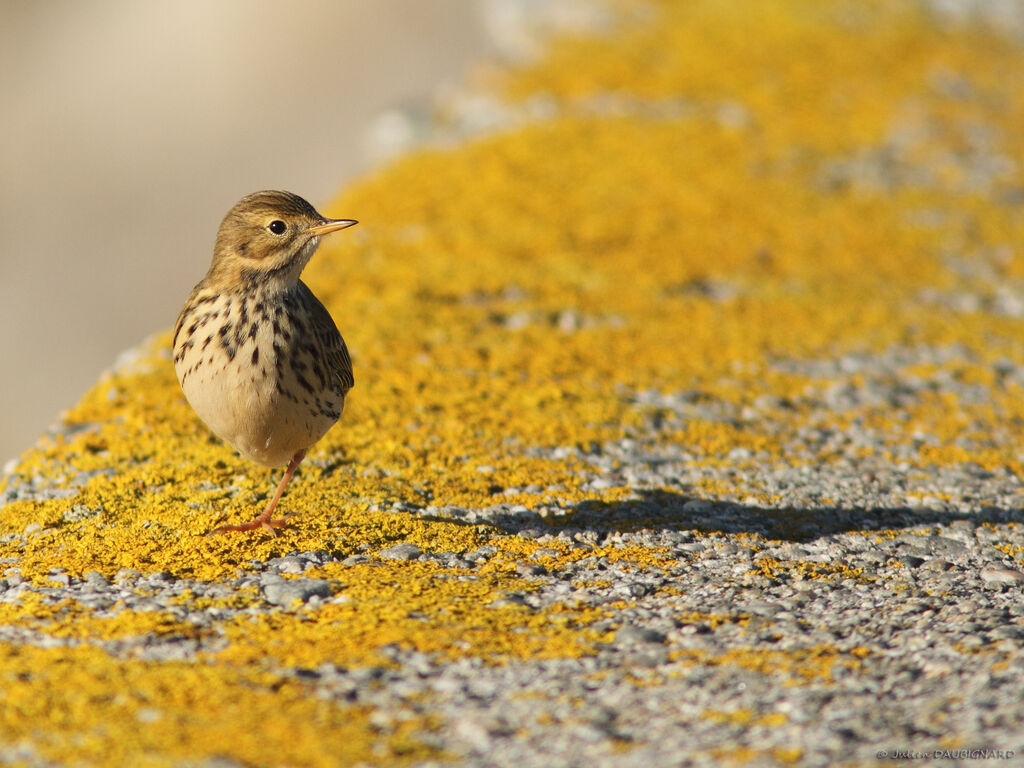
(995, 575)
(531, 569)
(632, 634)
(400, 552)
(289, 564)
(286, 592)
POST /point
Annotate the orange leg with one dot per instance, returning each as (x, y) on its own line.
(264, 520)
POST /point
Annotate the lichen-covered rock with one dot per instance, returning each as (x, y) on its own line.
(687, 428)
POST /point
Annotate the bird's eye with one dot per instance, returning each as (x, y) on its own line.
(277, 227)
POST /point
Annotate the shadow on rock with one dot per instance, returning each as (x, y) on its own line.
(666, 510)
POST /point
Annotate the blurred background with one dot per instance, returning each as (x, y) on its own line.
(128, 129)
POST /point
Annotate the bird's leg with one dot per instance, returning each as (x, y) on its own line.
(265, 520)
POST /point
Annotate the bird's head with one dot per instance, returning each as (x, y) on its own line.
(268, 237)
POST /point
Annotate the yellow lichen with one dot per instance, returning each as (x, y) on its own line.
(84, 706)
(800, 666)
(686, 222)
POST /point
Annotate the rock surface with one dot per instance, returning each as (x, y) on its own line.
(686, 432)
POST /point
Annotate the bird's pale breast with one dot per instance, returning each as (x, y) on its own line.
(267, 373)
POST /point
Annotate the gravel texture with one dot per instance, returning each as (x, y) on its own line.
(837, 591)
(766, 634)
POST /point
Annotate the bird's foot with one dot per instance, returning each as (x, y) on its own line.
(263, 521)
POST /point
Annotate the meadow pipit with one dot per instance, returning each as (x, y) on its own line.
(257, 355)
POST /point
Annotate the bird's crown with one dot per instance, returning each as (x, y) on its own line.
(268, 236)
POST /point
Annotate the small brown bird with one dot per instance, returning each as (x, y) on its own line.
(257, 355)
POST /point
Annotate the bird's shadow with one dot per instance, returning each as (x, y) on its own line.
(671, 511)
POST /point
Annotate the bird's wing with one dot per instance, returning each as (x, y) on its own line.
(333, 351)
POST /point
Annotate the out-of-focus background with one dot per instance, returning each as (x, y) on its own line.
(127, 130)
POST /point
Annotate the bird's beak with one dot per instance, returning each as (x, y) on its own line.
(330, 225)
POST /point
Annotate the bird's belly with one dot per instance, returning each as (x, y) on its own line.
(257, 409)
